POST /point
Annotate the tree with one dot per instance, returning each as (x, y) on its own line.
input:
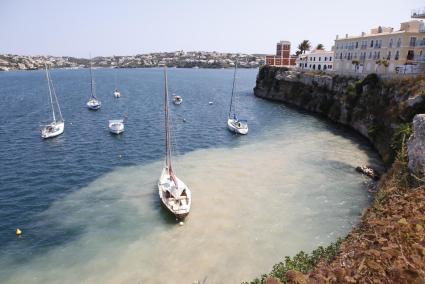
(304, 46)
(320, 47)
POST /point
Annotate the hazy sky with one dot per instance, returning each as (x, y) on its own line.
(125, 27)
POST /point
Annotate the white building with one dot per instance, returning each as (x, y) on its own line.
(317, 60)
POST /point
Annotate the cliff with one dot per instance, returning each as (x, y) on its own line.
(388, 245)
(381, 110)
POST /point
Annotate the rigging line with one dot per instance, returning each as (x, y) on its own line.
(56, 97)
(233, 90)
(50, 92)
(167, 126)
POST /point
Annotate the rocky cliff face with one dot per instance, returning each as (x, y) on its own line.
(416, 147)
(382, 111)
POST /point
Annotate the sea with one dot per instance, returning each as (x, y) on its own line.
(87, 201)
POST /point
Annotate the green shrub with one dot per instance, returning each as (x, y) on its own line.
(301, 262)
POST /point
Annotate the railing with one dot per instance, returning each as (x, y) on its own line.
(418, 13)
(420, 58)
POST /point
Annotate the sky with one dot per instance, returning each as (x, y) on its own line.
(126, 27)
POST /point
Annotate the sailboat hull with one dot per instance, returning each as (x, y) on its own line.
(175, 196)
(52, 130)
(117, 94)
(237, 126)
(94, 104)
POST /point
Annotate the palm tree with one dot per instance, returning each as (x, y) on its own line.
(304, 46)
(320, 47)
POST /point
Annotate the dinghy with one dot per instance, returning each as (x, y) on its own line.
(173, 192)
(56, 127)
(116, 126)
(177, 100)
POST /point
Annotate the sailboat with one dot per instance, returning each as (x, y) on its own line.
(117, 93)
(235, 124)
(93, 103)
(56, 127)
(174, 194)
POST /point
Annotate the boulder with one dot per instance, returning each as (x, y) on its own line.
(416, 147)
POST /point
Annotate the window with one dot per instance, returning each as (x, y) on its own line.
(412, 42)
(397, 55)
(399, 42)
(371, 43)
(326, 58)
(330, 58)
(340, 56)
(410, 55)
(305, 65)
(390, 45)
(319, 67)
(370, 55)
(320, 58)
(357, 44)
(389, 55)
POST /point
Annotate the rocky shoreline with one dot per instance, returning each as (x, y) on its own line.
(388, 246)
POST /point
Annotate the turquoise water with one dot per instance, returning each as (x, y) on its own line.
(87, 201)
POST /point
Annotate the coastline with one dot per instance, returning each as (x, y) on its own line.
(381, 111)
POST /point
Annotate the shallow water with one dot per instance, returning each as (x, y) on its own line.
(90, 216)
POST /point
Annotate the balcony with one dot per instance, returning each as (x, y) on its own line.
(420, 58)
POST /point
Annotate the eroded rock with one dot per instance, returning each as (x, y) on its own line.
(416, 147)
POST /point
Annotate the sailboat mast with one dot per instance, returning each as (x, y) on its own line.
(233, 89)
(116, 79)
(50, 93)
(167, 126)
(92, 86)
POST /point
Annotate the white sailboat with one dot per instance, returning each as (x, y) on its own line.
(56, 127)
(93, 103)
(174, 194)
(235, 124)
(117, 93)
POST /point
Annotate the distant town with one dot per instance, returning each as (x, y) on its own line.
(179, 59)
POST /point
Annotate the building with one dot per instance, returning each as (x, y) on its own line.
(382, 51)
(319, 60)
(282, 57)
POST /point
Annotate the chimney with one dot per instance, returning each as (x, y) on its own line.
(363, 33)
(346, 35)
(337, 37)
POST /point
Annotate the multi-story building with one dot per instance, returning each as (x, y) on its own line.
(320, 60)
(382, 51)
(283, 55)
